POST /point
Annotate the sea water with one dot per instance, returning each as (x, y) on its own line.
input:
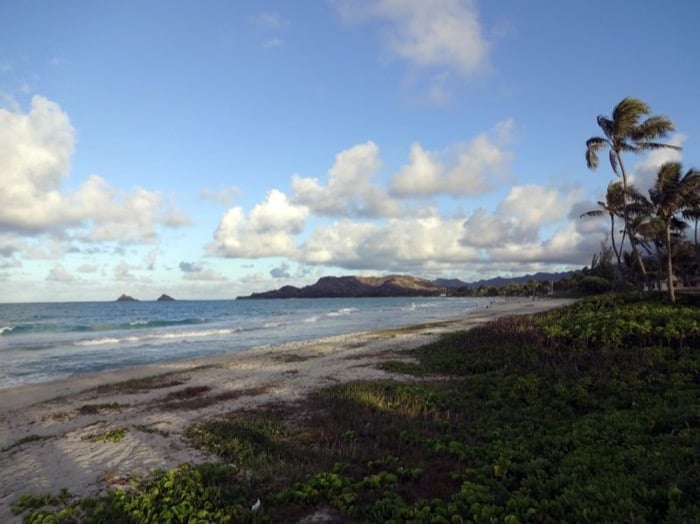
(49, 341)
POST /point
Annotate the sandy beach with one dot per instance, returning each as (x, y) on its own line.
(49, 432)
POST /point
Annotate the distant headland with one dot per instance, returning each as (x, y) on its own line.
(398, 286)
(358, 287)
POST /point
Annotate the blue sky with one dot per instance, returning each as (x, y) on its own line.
(212, 149)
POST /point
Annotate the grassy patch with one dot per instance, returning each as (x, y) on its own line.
(585, 414)
(418, 327)
(110, 435)
(195, 398)
(293, 357)
(402, 368)
(91, 409)
(145, 428)
(140, 385)
(23, 440)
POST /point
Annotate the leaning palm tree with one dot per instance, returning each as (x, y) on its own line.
(672, 194)
(626, 132)
(613, 206)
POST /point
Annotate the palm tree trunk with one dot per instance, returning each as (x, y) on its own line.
(635, 251)
(612, 240)
(669, 264)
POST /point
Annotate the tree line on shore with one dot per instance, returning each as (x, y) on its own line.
(652, 250)
(648, 246)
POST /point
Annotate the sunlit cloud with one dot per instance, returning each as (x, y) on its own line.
(36, 148)
(436, 34)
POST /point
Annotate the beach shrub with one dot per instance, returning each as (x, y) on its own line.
(595, 285)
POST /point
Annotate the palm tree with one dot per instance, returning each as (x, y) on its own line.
(626, 132)
(613, 206)
(672, 194)
(693, 213)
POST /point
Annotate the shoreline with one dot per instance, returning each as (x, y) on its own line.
(48, 430)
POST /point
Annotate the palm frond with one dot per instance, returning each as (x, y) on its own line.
(592, 213)
(677, 224)
(607, 125)
(626, 115)
(594, 144)
(646, 146)
(614, 197)
(653, 127)
(612, 155)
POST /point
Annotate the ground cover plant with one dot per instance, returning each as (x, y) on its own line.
(585, 414)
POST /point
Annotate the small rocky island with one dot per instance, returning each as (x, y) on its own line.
(165, 298)
(126, 298)
(356, 287)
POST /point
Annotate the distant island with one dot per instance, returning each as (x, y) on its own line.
(358, 287)
(128, 298)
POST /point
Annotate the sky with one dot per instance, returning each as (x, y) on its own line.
(210, 149)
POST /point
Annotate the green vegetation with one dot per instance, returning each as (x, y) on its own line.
(139, 385)
(92, 409)
(110, 435)
(23, 440)
(584, 414)
(195, 397)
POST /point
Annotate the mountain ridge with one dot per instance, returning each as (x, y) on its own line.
(357, 287)
(390, 286)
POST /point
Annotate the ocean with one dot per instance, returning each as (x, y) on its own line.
(50, 341)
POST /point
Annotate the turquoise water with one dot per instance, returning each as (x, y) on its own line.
(41, 342)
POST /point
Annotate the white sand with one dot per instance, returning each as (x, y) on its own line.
(66, 457)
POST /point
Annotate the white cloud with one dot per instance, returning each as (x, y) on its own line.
(272, 43)
(269, 229)
(398, 245)
(223, 196)
(60, 274)
(420, 177)
(35, 153)
(122, 271)
(486, 230)
(474, 167)
(520, 229)
(194, 272)
(565, 246)
(149, 261)
(536, 206)
(281, 271)
(532, 223)
(336, 244)
(435, 34)
(270, 20)
(350, 190)
(644, 173)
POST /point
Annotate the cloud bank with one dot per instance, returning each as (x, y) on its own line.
(35, 153)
